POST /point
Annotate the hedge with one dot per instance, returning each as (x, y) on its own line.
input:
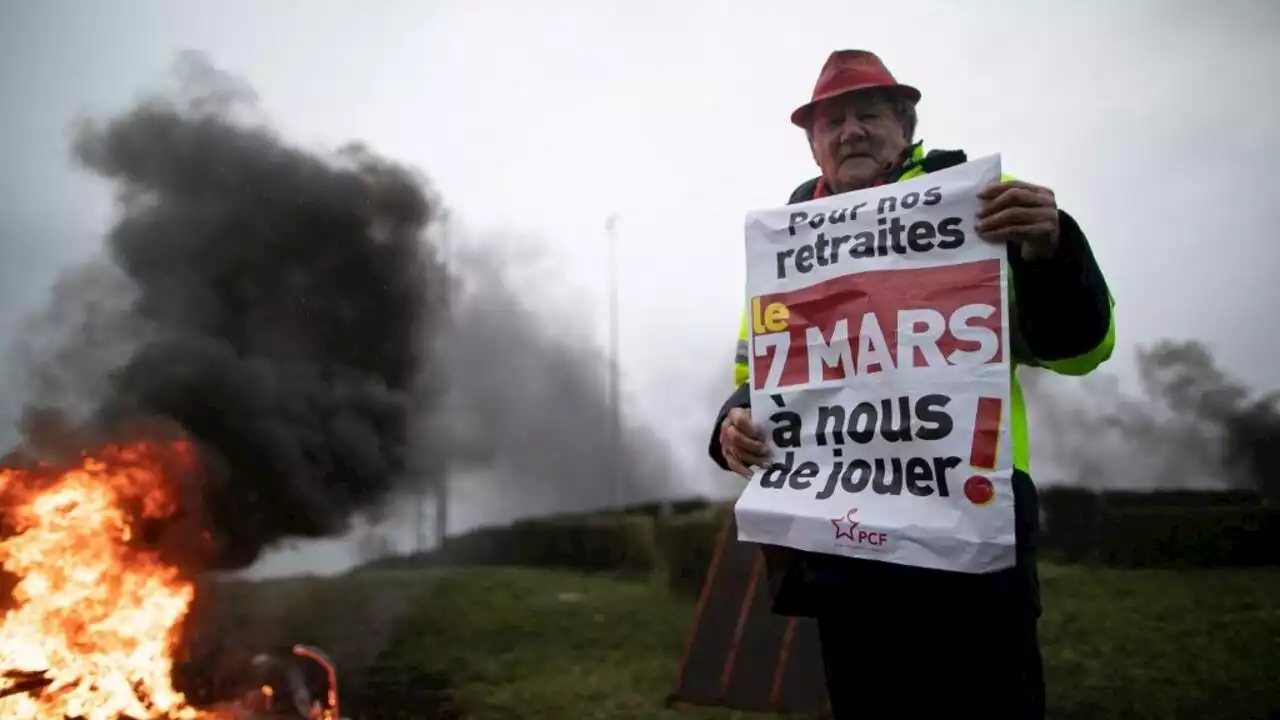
(1180, 537)
(1161, 529)
(686, 544)
(1119, 529)
(1187, 499)
(1069, 527)
(592, 544)
(658, 509)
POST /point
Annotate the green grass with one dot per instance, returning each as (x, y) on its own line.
(536, 644)
(549, 645)
(1162, 643)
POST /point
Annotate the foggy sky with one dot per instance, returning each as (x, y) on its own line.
(1151, 120)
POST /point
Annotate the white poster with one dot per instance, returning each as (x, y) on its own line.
(880, 376)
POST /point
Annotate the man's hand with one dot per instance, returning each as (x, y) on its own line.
(742, 442)
(1020, 213)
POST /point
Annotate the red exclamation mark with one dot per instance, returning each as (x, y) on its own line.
(982, 454)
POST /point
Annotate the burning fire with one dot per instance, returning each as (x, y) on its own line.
(91, 626)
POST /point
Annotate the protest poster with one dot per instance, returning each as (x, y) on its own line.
(880, 375)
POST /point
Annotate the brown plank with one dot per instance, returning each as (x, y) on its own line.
(694, 625)
(744, 611)
(803, 687)
(763, 642)
(779, 671)
(738, 654)
(715, 621)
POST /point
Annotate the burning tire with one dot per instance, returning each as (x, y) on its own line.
(300, 682)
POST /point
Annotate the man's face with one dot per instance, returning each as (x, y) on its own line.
(856, 139)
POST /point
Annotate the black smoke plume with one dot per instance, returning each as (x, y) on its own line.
(1190, 425)
(293, 314)
(282, 299)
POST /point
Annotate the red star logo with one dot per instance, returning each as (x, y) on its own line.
(840, 522)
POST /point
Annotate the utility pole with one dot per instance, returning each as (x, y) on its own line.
(615, 409)
(441, 524)
(420, 523)
(437, 493)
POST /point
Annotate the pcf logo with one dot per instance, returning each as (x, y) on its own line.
(848, 527)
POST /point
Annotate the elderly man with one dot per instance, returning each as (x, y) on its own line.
(900, 641)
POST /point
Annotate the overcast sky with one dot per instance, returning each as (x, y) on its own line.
(1155, 122)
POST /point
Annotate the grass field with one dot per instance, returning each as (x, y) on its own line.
(502, 644)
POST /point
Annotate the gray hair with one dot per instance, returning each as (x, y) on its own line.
(904, 111)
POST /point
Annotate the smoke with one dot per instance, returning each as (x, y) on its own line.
(531, 402)
(67, 351)
(1188, 425)
(285, 298)
(290, 311)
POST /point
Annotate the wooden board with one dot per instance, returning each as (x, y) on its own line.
(738, 654)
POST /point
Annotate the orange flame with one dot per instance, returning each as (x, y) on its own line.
(91, 612)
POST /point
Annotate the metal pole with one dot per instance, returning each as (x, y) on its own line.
(615, 410)
(442, 480)
(420, 523)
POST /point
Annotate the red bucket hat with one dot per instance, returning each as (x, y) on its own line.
(848, 71)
